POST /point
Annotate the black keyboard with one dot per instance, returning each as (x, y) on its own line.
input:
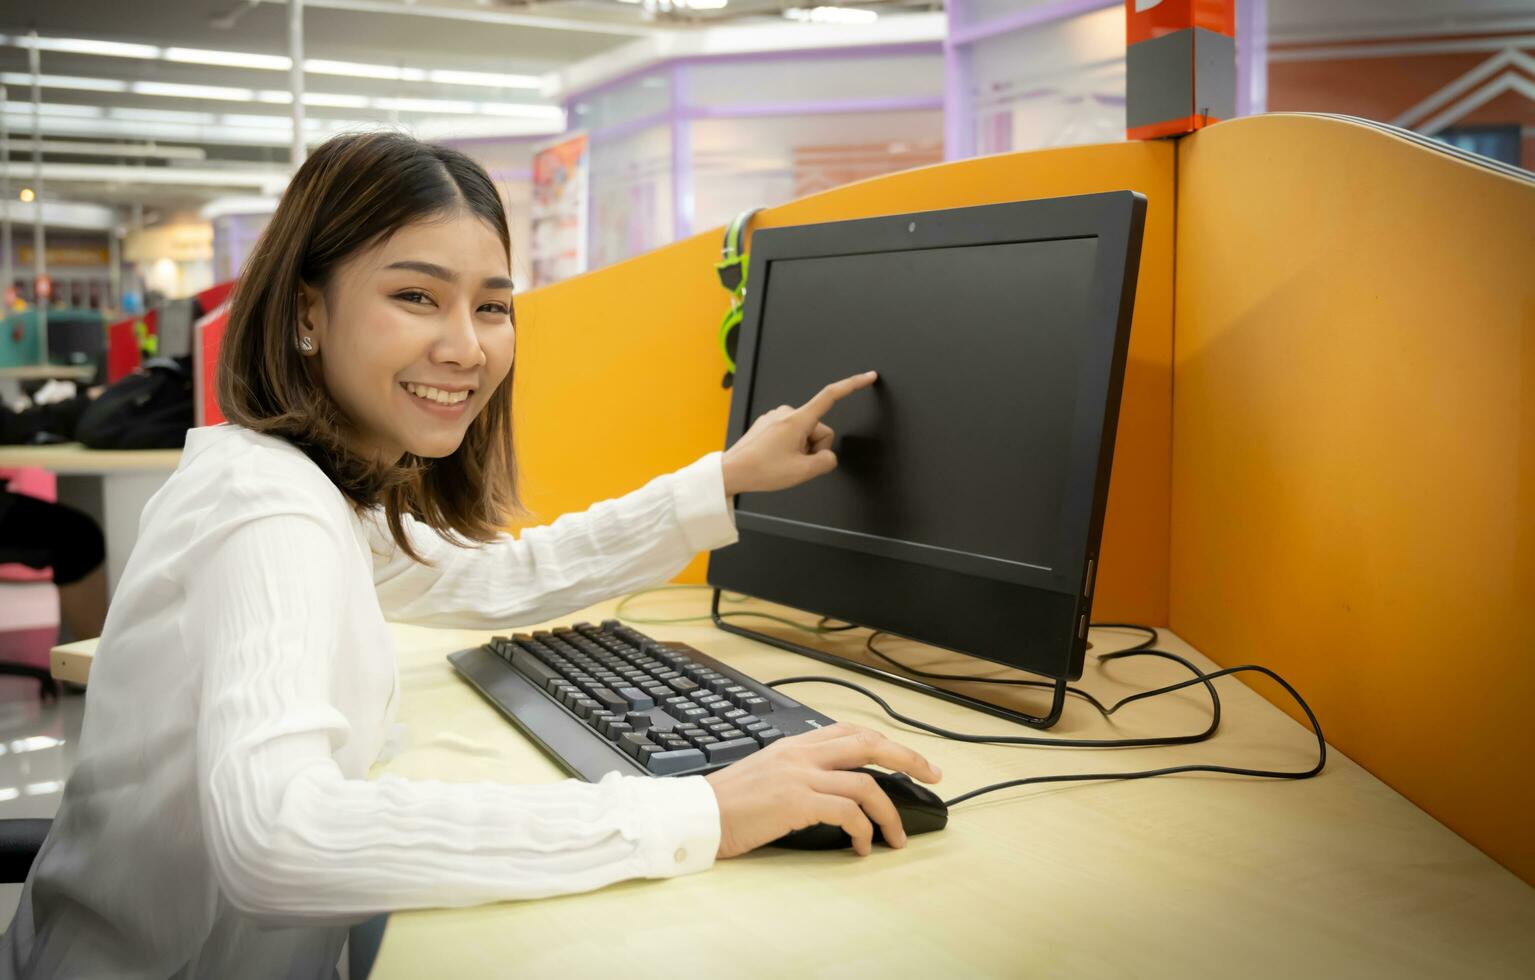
(600, 698)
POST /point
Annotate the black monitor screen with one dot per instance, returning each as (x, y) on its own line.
(966, 507)
(962, 446)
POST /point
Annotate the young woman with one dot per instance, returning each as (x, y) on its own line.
(219, 822)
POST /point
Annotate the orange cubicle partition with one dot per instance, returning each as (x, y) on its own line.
(1354, 450)
(1326, 466)
(618, 371)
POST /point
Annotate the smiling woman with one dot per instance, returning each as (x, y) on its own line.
(219, 821)
(382, 344)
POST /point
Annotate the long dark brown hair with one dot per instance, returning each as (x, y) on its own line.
(354, 191)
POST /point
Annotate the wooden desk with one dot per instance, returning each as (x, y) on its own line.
(1182, 876)
(112, 485)
(43, 372)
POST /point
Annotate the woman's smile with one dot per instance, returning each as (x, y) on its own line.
(441, 402)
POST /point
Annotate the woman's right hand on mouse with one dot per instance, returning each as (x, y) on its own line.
(799, 781)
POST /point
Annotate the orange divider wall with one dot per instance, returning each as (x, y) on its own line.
(618, 371)
(1354, 451)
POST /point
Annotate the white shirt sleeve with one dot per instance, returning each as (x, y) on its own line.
(613, 547)
(291, 839)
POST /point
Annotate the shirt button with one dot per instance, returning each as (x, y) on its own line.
(681, 855)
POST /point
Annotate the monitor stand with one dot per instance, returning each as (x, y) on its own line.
(1046, 720)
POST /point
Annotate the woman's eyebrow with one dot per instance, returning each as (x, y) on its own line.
(425, 268)
(438, 272)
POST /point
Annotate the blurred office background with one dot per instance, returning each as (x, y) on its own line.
(164, 131)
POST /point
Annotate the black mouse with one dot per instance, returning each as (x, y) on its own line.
(920, 808)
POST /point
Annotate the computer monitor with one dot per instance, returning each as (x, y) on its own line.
(967, 505)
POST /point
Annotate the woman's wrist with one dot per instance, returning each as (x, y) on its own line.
(732, 477)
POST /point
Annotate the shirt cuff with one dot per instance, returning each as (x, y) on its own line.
(682, 824)
(707, 516)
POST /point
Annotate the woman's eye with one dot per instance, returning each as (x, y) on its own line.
(413, 296)
(497, 308)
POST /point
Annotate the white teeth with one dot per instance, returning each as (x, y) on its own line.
(436, 394)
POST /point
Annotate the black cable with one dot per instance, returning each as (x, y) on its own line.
(1071, 743)
(1316, 728)
(971, 679)
(1202, 678)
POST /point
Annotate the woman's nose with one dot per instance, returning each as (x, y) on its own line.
(460, 342)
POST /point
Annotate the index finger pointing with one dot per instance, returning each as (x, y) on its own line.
(823, 400)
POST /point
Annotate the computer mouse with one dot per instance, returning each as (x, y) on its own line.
(920, 808)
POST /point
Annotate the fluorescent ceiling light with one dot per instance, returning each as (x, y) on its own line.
(511, 109)
(74, 82)
(274, 62)
(483, 78)
(77, 45)
(228, 59)
(324, 100)
(831, 15)
(177, 90)
(356, 69)
(24, 110)
(271, 135)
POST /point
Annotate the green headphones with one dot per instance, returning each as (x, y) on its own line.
(732, 272)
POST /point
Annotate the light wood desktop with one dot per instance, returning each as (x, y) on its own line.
(111, 485)
(44, 372)
(1191, 875)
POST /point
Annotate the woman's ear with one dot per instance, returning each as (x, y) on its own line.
(309, 332)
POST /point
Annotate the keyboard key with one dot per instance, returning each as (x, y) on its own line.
(614, 730)
(584, 707)
(630, 742)
(767, 736)
(639, 719)
(680, 760)
(693, 714)
(609, 700)
(683, 685)
(735, 714)
(638, 699)
(757, 706)
(743, 719)
(738, 748)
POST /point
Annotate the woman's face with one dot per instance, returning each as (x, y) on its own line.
(414, 335)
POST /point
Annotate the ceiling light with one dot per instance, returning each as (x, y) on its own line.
(78, 45)
(483, 78)
(74, 82)
(27, 196)
(356, 69)
(24, 109)
(522, 111)
(228, 59)
(276, 62)
(180, 91)
(831, 15)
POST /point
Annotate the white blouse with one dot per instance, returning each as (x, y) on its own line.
(219, 822)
